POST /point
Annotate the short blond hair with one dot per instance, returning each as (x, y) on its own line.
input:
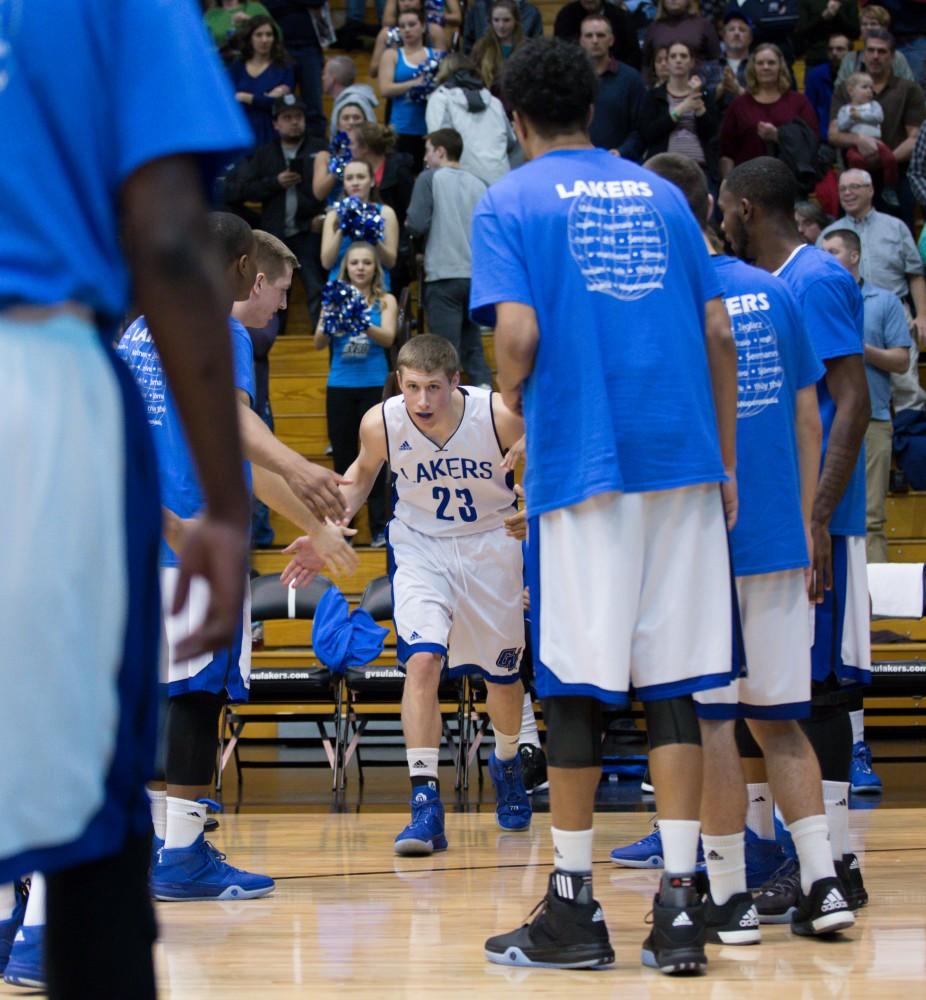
(429, 353)
(272, 255)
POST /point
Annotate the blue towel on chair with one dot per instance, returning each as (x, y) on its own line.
(343, 638)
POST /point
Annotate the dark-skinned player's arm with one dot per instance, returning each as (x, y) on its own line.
(808, 430)
(516, 337)
(362, 474)
(846, 382)
(180, 287)
(721, 360)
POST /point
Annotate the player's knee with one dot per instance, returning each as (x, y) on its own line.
(422, 672)
(574, 728)
(746, 740)
(777, 735)
(718, 732)
(671, 721)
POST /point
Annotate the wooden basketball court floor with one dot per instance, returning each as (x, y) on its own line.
(350, 919)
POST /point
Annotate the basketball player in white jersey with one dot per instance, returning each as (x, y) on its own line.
(456, 575)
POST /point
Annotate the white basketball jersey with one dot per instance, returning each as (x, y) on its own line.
(455, 490)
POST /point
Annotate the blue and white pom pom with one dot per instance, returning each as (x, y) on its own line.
(434, 12)
(393, 38)
(339, 154)
(344, 310)
(360, 220)
(427, 71)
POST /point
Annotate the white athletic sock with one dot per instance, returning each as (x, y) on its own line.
(158, 799)
(726, 865)
(35, 905)
(858, 725)
(572, 850)
(422, 761)
(760, 811)
(7, 900)
(836, 803)
(185, 822)
(811, 838)
(679, 845)
(506, 747)
(529, 732)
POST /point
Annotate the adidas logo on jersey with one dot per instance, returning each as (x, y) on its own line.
(750, 918)
(682, 920)
(405, 446)
(714, 856)
(833, 901)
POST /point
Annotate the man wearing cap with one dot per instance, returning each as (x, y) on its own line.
(736, 39)
(279, 176)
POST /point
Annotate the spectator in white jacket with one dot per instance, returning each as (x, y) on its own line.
(462, 102)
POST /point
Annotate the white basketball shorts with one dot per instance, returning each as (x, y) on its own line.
(632, 590)
(776, 617)
(460, 597)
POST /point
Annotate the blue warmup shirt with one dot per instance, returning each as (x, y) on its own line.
(833, 314)
(64, 159)
(358, 362)
(612, 261)
(775, 359)
(180, 489)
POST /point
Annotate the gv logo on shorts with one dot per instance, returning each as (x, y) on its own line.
(508, 659)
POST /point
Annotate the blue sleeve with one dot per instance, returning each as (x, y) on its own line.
(172, 94)
(832, 317)
(243, 360)
(894, 327)
(808, 368)
(499, 267)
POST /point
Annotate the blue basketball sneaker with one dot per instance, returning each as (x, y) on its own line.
(862, 780)
(763, 859)
(201, 872)
(425, 833)
(156, 845)
(647, 852)
(9, 927)
(26, 965)
(513, 807)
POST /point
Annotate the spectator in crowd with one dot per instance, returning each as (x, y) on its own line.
(477, 21)
(388, 36)
(903, 107)
(887, 350)
(916, 174)
(463, 103)
(821, 79)
(359, 368)
(772, 21)
(889, 259)
(339, 82)
(355, 27)
(441, 213)
(616, 120)
(306, 29)
(228, 17)
(279, 176)
(624, 46)
(358, 183)
(261, 75)
(658, 67)
(680, 115)
(393, 171)
(872, 18)
(326, 185)
(736, 40)
(501, 38)
(811, 220)
(818, 20)
(679, 21)
(863, 116)
(750, 124)
(399, 74)
(908, 23)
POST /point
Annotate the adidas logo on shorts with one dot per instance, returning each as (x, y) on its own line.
(833, 901)
(405, 446)
(750, 918)
(682, 920)
(413, 637)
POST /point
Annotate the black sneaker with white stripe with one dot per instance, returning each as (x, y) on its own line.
(676, 942)
(533, 768)
(733, 922)
(853, 888)
(777, 899)
(823, 910)
(568, 931)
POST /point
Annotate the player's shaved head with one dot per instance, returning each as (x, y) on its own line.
(232, 237)
(688, 177)
(766, 183)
